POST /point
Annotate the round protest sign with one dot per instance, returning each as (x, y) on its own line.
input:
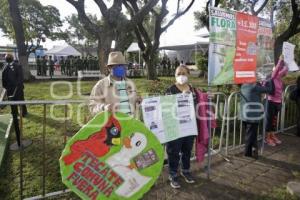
(112, 157)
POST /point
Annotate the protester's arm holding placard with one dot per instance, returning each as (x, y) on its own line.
(281, 69)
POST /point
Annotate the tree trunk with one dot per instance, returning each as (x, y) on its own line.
(151, 66)
(101, 60)
(103, 52)
(20, 38)
(278, 48)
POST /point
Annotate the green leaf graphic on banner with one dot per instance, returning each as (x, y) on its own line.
(112, 157)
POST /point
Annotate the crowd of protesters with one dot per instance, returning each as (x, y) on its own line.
(102, 98)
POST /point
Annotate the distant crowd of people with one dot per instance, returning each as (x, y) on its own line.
(167, 67)
(68, 66)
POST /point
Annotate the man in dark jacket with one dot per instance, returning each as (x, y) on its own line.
(295, 96)
(251, 113)
(12, 81)
(39, 65)
(51, 66)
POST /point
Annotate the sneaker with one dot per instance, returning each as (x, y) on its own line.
(275, 139)
(174, 182)
(187, 177)
(270, 142)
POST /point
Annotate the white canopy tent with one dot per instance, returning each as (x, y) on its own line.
(181, 49)
(66, 50)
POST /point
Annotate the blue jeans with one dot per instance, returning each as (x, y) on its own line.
(177, 150)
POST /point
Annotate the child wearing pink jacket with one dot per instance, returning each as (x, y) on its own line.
(275, 101)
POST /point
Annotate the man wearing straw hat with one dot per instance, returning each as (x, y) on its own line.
(114, 92)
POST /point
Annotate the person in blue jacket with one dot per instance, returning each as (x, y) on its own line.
(252, 112)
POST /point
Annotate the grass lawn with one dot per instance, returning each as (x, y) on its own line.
(55, 131)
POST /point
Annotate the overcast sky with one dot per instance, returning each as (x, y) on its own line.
(182, 31)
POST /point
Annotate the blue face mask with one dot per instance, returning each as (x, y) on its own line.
(119, 71)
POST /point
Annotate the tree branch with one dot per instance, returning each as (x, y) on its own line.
(140, 28)
(86, 22)
(260, 9)
(178, 15)
(140, 15)
(139, 39)
(102, 6)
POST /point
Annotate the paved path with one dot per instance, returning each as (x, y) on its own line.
(242, 178)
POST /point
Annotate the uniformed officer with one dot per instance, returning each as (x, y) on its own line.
(12, 81)
(51, 66)
(44, 66)
(62, 65)
(39, 65)
(68, 66)
(85, 63)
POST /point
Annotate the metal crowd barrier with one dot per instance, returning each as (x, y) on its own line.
(288, 111)
(44, 104)
(232, 116)
(219, 100)
(287, 118)
(226, 137)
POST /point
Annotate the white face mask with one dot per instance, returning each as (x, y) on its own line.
(181, 79)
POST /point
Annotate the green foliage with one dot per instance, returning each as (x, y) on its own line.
(77, 30)
(202, 62)
(158, 87)
(201, 17)
(38, 20)
(283, 16)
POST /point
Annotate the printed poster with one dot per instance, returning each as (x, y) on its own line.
(289, 56)
(170, 117)
(240, 48)
(265, 50)
(244, 62)
(112, 157)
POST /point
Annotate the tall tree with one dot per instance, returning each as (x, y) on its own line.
(149, 45)
(26, 22)
(116, 26)
(19, 35)
(78, 36)
(293, 27)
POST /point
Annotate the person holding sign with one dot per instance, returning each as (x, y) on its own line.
(274, 102)
(181, 148)
(251, 114)
(114, 92)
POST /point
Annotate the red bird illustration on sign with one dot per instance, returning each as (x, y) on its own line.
(98, 143)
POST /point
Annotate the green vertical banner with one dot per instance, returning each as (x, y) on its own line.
(112, 157)
(221, 46)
